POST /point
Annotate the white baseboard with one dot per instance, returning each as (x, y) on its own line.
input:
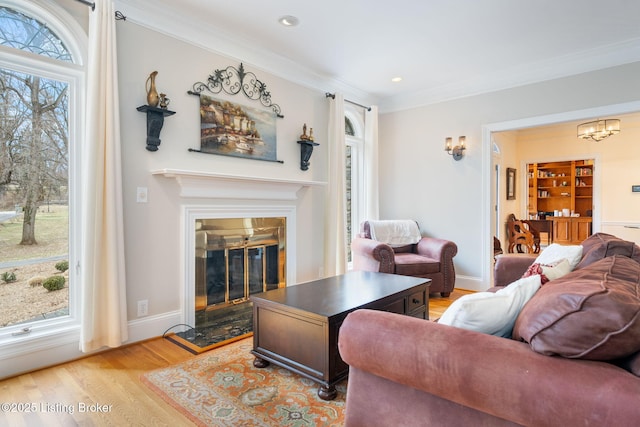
(31, 354)
(470, 283)
(153, 326)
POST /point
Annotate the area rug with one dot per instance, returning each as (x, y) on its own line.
(223, 388)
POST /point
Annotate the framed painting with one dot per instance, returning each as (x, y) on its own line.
(511, 184)
(231, 129)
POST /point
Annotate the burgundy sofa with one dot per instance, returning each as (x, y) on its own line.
(411, 372)
(430, 258)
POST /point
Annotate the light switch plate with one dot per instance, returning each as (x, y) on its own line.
(141, 195)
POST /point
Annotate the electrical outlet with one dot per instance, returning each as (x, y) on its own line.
(143, 307)
(141, 195)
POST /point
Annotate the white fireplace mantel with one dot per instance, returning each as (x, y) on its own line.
(224, 186)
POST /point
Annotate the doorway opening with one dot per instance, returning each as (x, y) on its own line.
(498, 210)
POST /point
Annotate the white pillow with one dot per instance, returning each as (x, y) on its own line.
(555, 253)
(558, 270)
(549, 272)
(491, 313)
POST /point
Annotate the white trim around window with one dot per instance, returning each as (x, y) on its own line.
(54, 340)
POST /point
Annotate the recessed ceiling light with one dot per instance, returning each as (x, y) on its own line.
(289, 21)
(396, 79)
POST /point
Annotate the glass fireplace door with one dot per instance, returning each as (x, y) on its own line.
(236, 274)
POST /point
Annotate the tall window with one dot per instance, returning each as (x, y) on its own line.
(39, 82)
(354, 163)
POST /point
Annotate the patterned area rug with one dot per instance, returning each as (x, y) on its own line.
(223, 388)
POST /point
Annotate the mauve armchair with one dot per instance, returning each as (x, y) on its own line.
(430, 258)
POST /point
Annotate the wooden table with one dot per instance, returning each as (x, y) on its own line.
(296, 327)
(543, 226)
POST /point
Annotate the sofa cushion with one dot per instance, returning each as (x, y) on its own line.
(555, 253)
(404, 249)
(489, 312)
(592, 313)
(409, 264)
(602, 245)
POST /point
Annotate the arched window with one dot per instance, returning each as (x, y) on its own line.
(23, 32)
(354, 163)
(41, 87)
(348, 127)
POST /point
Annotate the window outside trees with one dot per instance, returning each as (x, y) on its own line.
(34, 172)
(354, 125)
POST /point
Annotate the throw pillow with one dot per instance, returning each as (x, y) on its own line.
(549, 272)
(489, 312)
(592, 313)
(555, 253)
(602, 245)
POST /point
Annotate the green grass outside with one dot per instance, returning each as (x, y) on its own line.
(52, 235)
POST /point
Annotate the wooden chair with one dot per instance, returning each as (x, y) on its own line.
(522, 236)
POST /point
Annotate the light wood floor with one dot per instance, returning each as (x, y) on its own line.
(112, 380)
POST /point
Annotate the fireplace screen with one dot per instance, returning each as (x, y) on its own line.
(237, 257)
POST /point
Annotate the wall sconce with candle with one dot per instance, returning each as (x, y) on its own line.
(456, 151)
(306, 147)
(156, 110)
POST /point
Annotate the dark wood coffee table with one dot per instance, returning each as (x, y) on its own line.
(296, 327)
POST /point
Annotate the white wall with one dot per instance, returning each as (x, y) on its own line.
(153, 250)
(419, 180)
(152, 230)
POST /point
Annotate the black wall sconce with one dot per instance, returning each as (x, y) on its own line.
(155, 121)
(457, 151)
(306, 147)
(156, 110)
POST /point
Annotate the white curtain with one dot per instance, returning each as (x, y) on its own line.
(103, 302)
(371, 198)
(335, 214)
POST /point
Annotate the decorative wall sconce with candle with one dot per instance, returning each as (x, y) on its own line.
(155, 113)
(306, 147)
(456, 151)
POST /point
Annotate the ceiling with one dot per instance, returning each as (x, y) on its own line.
(442, 49)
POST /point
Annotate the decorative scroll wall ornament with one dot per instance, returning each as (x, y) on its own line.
(232, 129)
(232, 81)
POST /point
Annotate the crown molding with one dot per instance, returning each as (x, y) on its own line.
(568, 65)
(172, 23)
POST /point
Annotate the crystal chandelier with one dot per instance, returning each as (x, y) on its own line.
(598, 129)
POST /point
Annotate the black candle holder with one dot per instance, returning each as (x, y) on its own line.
(155, 121)
(306, 149)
